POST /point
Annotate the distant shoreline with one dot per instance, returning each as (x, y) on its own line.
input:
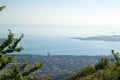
(59, 55)
(115, 38)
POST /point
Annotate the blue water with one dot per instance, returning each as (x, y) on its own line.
(65, 46)
(41, 43)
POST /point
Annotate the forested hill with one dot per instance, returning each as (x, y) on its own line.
(100, 38)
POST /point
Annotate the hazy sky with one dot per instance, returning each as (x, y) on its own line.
(65, 16)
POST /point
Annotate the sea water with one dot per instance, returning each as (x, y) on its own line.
(65, 46)
(38, 40)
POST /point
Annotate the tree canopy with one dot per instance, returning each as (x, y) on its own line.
(16, 71)
(2, 7)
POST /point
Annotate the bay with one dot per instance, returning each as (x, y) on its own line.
(65, 46)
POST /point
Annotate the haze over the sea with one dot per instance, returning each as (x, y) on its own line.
(61, 17)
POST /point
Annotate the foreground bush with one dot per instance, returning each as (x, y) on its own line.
(104, 69)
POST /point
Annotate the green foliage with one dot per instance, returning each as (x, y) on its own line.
(2, 7)
(83, 72)
(86, 71)
(45, 78)
(105, 69)
(116, 57)
(8, 46)
(15, 70)
(102, 64)
(20, 71)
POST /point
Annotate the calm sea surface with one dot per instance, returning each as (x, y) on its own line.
(65, 46)
(60, 45)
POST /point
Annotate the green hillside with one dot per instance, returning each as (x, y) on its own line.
(104, 69)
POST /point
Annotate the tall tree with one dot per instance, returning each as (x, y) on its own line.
(18, 71)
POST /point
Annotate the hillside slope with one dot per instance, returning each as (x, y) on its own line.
(105, 69)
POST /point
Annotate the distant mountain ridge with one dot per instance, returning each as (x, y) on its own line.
(100, 38)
